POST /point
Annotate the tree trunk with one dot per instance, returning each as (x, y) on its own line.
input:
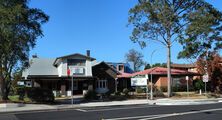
(169, 71)
(3, 91)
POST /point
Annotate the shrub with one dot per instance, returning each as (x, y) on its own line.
(90, 95)
(117, 93)
(125, 91)
(21, 92)
(41, 95)
(140, 90)
(198, 85)
(158, 93)
(163, 88)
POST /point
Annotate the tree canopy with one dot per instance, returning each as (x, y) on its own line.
(136, 57)
(20, 26)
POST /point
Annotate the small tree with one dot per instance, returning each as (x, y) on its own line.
(135, 57)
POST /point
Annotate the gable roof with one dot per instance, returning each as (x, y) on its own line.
(75, 54)
(41, 66)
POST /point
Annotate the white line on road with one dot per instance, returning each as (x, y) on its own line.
(151, 117)
(110, 109)
(81, 110)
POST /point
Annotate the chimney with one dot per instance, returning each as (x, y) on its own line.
(88, 53)
(35, 56)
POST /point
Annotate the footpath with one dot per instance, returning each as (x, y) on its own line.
(12, 107)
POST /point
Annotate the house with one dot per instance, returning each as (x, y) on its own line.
(56, 74)
(186, 67)
(124, 69)
(159, 76)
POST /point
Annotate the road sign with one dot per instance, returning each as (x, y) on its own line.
(205, 78)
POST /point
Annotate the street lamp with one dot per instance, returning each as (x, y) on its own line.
(151, 75)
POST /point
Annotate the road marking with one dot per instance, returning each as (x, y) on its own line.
(82, 110)
(111, 109)
(151, 117)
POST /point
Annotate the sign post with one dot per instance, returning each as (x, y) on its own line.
(140, 81)
(68, 73)
(205, 80)
(187, 79)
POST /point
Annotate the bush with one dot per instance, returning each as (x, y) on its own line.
(140, 90)
(90, 95)
(198, 85)
(125, 91)
(163, 88)
(21, 92)
(40, 95)
(117, 93)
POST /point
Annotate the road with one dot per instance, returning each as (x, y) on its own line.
(133, 112)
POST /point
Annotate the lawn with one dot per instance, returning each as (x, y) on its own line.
(15, 98)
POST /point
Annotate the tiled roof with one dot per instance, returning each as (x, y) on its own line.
(157, 71)
(124, 75)
(163, 71)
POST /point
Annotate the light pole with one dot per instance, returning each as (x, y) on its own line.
(151, 75)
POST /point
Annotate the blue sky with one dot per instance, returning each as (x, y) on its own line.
(98, 25)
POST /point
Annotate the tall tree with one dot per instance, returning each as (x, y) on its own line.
(20, 26)
(135, 57)
(164, 21)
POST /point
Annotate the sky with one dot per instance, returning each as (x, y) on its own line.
(96, 25)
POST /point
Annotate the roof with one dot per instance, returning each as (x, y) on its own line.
(183, 65)
(163, 71)
(124, 75)
(75, 54)
(104, 63)
(41, 66)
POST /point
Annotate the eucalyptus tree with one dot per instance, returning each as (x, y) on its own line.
(166, 22)
(20, 26)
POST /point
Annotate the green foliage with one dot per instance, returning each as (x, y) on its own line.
(203, 33)
(20, 26)
(136, 57)
(148, 66)
(140, 90)
(21, 92)
(126, 92)
(198, 85)
(40, 95)
(90, 95)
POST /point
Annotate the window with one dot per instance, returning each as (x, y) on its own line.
(76, 62)
(120, 67)
(101, 84)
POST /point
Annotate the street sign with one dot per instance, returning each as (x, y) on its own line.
(138, 81)
(187, 78)
(205, 78)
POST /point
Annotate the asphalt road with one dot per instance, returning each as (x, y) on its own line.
(135, 112)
